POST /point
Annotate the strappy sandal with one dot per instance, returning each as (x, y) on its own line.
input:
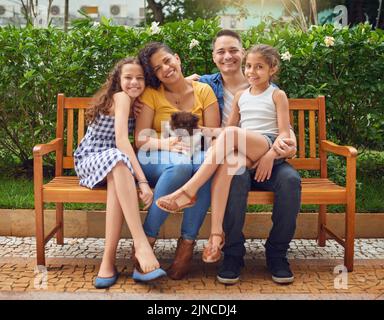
(212, 253)
(172, 206)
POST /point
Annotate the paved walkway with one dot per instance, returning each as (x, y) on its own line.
(72, 268)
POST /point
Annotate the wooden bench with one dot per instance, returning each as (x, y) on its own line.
(312, 155)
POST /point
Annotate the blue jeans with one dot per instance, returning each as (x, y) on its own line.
(166, 172)
(285, 182)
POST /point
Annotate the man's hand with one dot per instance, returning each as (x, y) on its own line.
(137, 106)
(285, 148)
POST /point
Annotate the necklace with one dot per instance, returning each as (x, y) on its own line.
(176, 98)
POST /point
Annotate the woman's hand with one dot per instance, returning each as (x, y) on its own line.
(285, 148)
(175, 144)
(146, 195)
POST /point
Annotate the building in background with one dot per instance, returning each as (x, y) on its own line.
(132, 12)
(122, 12)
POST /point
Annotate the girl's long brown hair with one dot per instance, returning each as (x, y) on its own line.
(103, 99)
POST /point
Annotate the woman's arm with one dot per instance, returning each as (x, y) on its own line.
(211, 121)
(211, 116)
(143, 129)
(146, 137)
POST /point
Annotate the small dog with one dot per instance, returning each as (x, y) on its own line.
(185, 126)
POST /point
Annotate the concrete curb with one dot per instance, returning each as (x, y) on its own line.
(91, 224)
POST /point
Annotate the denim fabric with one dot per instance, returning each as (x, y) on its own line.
(285, 182)
(216, 82)
(166, 172)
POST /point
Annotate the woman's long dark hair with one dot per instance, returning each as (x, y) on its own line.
(103, 99)
(145, 55)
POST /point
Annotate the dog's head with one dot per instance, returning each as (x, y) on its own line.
(184, 120)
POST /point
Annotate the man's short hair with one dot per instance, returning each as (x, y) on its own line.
(226, 32)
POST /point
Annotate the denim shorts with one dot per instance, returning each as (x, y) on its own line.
(270, 138)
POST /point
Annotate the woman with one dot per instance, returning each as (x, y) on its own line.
(162, 158)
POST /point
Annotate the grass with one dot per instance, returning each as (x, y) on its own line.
(18, 194)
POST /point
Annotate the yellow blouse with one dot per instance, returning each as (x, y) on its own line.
(156, 100)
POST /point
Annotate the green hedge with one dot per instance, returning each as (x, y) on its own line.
(36, 64)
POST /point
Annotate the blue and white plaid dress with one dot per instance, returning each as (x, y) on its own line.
(97, 153)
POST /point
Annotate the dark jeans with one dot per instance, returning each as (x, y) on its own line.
(285, 182)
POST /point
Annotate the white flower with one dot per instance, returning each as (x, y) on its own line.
(96, 24)
(329, 41)
(286, 56)
(193, 44)
(155, 29)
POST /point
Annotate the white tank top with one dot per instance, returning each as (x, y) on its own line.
(258, 112)
(228, 98)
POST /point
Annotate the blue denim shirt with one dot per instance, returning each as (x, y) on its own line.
(216, 82)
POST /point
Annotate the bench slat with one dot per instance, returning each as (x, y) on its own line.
(70, 132)
(314, 190)
(301, 135)
(312, 134)
(303, 104)
(77, 103)
(80, 126)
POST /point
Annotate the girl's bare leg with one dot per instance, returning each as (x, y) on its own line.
(127, 196)
(113, 223)
(220, 191)
(249, 143)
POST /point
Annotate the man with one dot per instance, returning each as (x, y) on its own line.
(228, 55)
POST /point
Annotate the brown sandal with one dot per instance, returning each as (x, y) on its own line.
(212, 253)
(172, 206)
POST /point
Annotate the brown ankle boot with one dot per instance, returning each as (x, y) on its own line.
(183, 259)
(135, 262)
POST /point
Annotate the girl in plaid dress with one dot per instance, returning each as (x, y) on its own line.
(105, 155)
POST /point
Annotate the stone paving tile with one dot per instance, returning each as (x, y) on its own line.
(71, 270)
(310, 278)
(93, 248)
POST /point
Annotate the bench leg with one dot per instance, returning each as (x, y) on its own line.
(322, 220)
(349, 236)
(60, 222)
(40, 245)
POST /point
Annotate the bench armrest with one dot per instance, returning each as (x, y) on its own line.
(42, 149)
(39, 151)
(351, 154)
(346, 151)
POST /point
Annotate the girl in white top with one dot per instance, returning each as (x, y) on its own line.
(263, 115)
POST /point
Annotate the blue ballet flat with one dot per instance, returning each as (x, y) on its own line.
(103, 283)
(144, 277)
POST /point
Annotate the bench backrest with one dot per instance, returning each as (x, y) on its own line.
(307, 117)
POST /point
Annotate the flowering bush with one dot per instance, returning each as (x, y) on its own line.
(346, 65)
